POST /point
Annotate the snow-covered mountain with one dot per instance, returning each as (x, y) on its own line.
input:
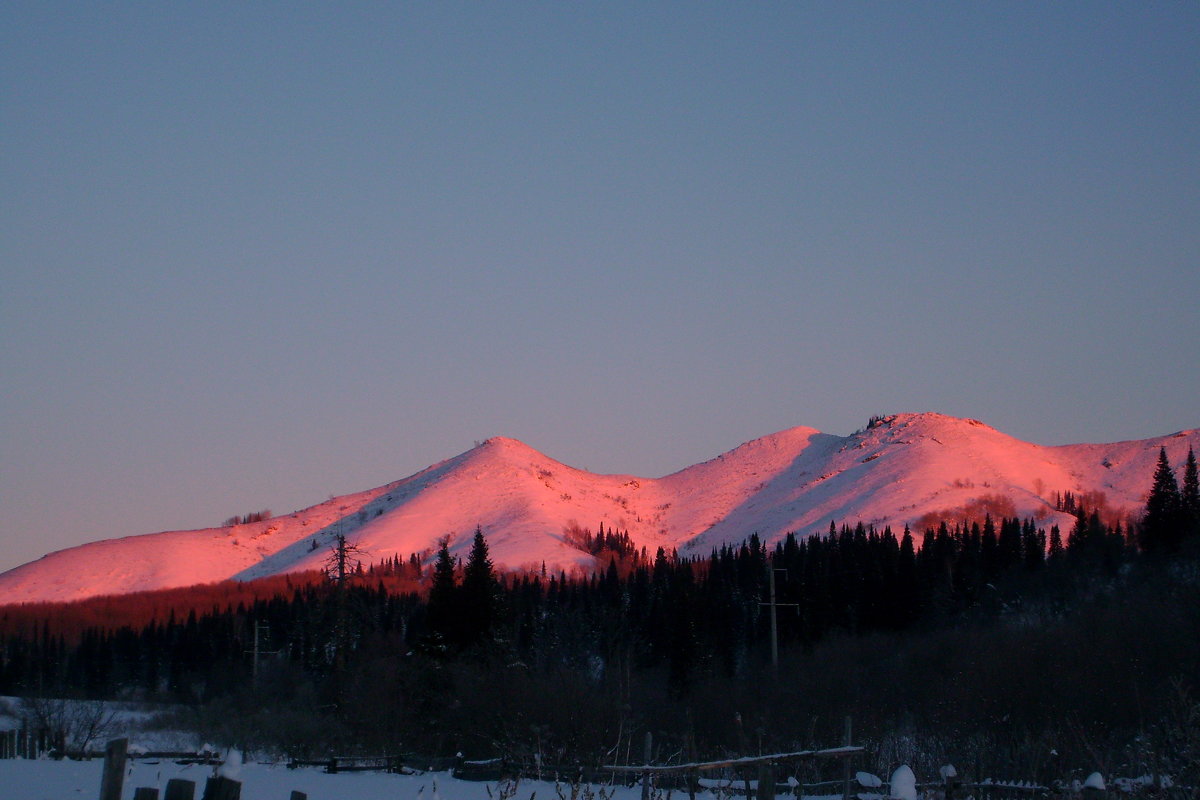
(902, 469)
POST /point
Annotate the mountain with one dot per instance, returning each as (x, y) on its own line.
(903, 469)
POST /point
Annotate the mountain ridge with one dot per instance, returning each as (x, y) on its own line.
(900, 469)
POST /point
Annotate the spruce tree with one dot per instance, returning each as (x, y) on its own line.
(479, 593)
(442, 611)
(1190, 497)
(1162, 523)
(1054, 550)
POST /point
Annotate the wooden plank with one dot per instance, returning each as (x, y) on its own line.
(748, 761)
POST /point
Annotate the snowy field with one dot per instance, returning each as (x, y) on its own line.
(22, 779)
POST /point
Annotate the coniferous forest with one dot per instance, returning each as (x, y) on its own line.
(1017, 650)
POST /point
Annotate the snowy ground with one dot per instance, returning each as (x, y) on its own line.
(22, 779)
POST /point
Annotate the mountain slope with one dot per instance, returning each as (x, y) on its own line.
(903, 469)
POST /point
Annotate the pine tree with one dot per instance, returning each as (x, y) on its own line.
(1054, 550)
(1190, 497)
(1162, 524)
(442, 611)
(479, 600)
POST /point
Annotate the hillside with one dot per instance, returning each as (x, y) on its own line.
(902, 469)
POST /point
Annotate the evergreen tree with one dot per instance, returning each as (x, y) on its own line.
(1054, 550)
(1190, 496)
(1163, 522)
(442, 611)
(479, 598)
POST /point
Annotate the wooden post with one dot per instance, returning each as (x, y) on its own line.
(647, 777)
(112, 781)
(297, 795)
(145, 793)
(179, 789)
(222, 788)
(847, 773)
(766, 782)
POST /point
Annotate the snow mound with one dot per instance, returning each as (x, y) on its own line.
(904, 783)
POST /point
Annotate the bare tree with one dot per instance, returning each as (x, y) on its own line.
(73, 724)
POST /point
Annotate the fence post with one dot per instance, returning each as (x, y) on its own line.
(646, 775)
(222, 788)
(113, 778)
(766, 782)
(179, 789)
(846, 771)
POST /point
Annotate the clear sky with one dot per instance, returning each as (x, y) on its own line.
(255, 254)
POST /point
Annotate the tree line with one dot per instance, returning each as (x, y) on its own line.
(440, 656)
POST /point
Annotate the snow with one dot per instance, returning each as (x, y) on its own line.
(869, 781)
(57, 780)
(232, 768)
(25, 779)
(904, 783)
(908, 467)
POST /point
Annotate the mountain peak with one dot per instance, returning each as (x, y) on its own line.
(503, 443)
(503, 447)
(902, 469)
(930, 419)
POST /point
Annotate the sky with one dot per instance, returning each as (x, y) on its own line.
(256, 254)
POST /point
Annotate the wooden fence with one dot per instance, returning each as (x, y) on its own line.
(26, 743)
(764, 785)
(738, 771)
(112, 782)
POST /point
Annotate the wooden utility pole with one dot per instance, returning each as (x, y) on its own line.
(256, 651)
(254, 665)
(771, 570)
(847, 769)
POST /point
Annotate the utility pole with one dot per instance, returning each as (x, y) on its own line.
(257, 650)
(771, 570)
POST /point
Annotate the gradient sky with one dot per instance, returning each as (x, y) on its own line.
(255, 254)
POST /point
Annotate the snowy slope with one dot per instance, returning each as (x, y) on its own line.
(906, 469)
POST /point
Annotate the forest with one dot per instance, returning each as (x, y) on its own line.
(1011, 649)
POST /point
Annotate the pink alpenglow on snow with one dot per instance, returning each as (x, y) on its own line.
(906, 469)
